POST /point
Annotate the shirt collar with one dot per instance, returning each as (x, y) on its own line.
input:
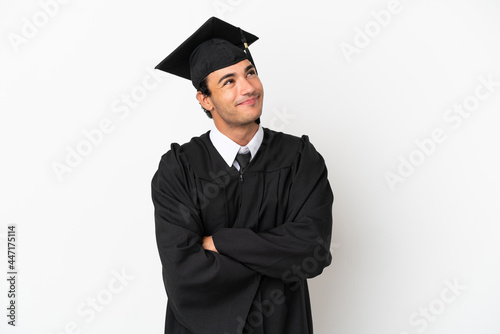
(228, 148)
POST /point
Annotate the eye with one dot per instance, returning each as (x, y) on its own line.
(230, 81)
(251, 72)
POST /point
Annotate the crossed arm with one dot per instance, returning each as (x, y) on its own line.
(309, 222)
(208, 244)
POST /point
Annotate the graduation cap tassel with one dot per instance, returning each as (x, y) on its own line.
(247, 50)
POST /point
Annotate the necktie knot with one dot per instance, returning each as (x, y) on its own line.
(243, 160)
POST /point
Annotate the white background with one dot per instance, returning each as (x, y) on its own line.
(396, 249)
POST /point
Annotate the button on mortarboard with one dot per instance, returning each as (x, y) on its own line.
(215, 45)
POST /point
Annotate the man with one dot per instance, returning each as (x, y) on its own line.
(243, 214)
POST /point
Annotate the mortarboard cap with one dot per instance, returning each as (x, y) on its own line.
(215, 45)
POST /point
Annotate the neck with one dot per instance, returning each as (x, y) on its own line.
(241, 135)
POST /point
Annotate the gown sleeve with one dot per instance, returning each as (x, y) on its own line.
(300, 247)
(207, 291)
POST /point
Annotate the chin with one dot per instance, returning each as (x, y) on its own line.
(251, 111)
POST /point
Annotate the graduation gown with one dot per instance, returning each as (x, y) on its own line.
(271, 226)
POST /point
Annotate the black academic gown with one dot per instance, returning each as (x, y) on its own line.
(271, 226)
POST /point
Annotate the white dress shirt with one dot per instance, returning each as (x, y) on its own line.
(228, 148)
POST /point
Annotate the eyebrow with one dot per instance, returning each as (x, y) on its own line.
(229, 75)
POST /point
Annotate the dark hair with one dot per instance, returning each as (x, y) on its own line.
(203, 88)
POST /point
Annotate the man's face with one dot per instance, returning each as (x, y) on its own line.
(236, 95)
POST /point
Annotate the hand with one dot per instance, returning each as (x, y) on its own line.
(208, 244)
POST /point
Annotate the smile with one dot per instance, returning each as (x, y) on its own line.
(249, 101)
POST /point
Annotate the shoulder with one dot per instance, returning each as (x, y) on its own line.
(181, 153)
(284, 139)
(290, 145)
(179, 158)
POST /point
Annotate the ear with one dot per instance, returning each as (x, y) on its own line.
(205, 101)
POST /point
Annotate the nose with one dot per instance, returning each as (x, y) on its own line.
(246, 87)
